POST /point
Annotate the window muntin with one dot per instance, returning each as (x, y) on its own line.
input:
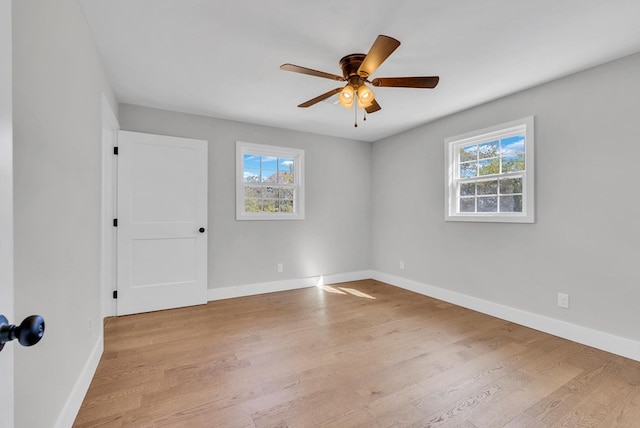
(269, 182)
(490, 174)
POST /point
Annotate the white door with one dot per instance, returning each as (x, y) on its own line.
(162, 222)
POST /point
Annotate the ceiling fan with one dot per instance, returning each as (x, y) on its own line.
(356, 70)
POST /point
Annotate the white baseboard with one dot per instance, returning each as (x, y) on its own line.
(346, 277)
(587, 336)
(289, 284)
(74, 401)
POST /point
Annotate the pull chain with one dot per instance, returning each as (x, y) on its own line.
(355, 102)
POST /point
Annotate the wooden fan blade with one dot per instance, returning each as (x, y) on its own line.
(311, 72)
(407, 82)
(320, 98)
(380, 50)
(373, 107)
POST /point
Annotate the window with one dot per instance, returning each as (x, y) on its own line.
(269, 182)
(490, 174)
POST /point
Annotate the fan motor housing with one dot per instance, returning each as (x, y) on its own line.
(350, 64)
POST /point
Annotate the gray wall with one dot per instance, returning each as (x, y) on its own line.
(333, 238)
(585, 239)
(57, 84)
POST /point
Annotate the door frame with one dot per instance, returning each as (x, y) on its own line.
(109, 210)
(110, 127)
(7, 404)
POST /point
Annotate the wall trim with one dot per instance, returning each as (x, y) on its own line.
(71, 407)
(584, 335)
(288, 284)
(109, 139)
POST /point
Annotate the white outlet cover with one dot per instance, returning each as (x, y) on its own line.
(563, 300)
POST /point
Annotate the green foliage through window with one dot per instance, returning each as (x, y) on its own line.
(490, 174)
(496, 157)
(268, 183)
(478, 162)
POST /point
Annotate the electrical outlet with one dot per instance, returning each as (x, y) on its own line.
(401, 264)
(563, 300)
(280, 268)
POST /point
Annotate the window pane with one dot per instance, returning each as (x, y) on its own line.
(270, 192)
(252, 205)
(251, 175)
(467, 205)
(269, 176)
(511, 204)
(511, 185)
(488, 204)
(251, 161)
(285, 193)
(488, 187)
(285, 177)
(286, 206)
(467, 189)
(469, 153)
(469, 169)
(285, 164)
(269, 205)
(513, 163)
(285, 170)
(512, 145)
(488, 150)
(252, 192)
(489, 166)
(269, 162)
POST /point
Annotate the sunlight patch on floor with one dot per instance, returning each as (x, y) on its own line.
(330, 289)
(357, 293)
(342, 290)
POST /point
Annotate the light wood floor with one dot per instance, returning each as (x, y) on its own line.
(358, 354)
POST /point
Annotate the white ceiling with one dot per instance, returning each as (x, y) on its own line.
(221, 58)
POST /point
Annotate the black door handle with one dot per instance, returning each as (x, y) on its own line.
(28, 333)
(201, 230)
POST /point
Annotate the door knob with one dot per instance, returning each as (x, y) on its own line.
(28, 333)
(201, 230)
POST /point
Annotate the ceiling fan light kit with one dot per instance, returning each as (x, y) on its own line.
(364, 95)
(356, 69)
(345, 96)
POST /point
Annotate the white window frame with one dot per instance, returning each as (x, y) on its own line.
(452, 170)
(243, 148)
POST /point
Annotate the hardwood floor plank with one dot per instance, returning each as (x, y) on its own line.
(358, 354)
(514, 398)
(525, 421)
(552, 408)
(603, 401)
